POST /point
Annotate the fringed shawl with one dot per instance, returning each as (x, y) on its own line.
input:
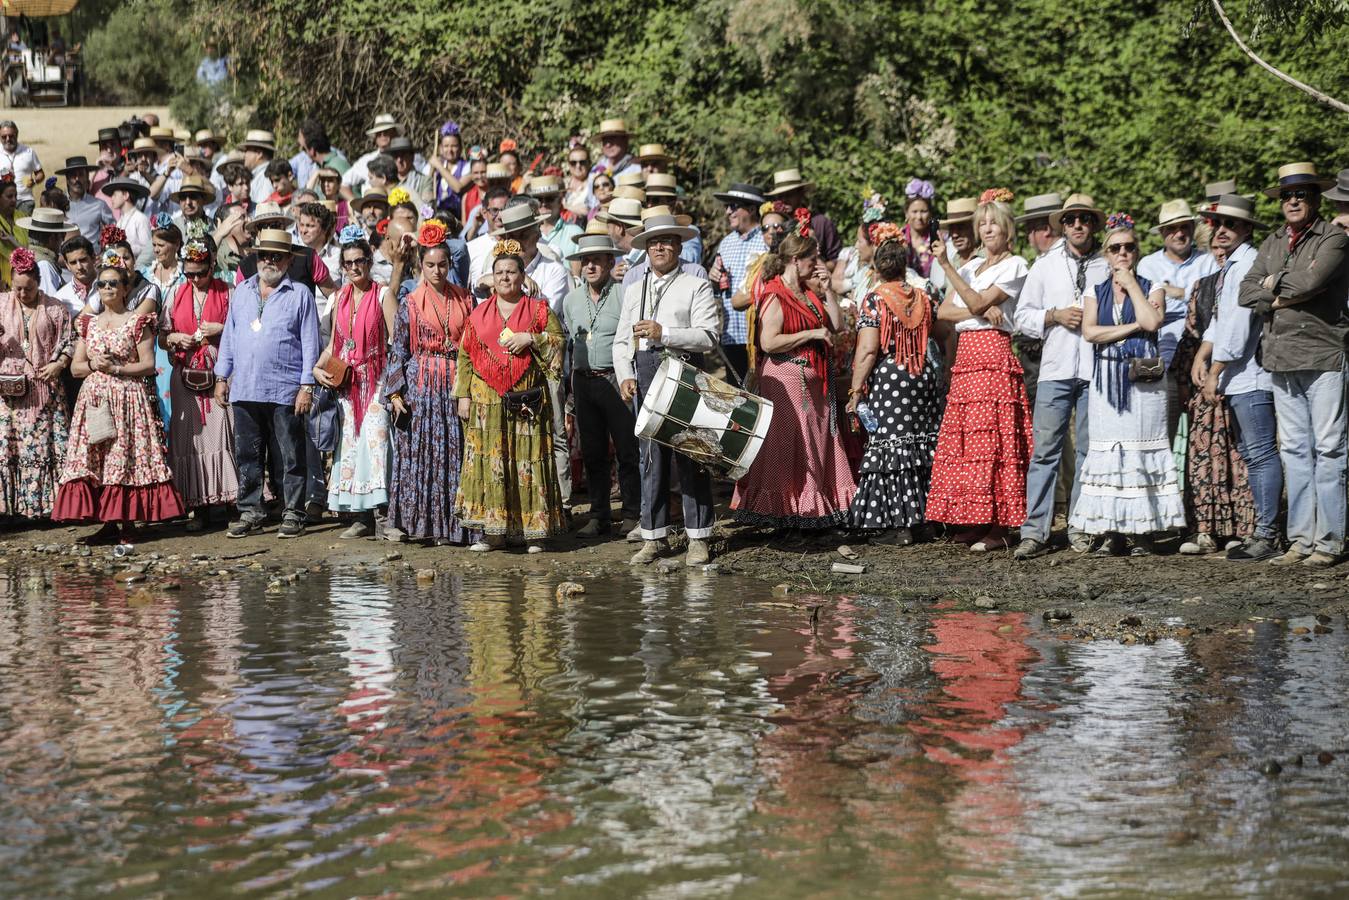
(1112, 360)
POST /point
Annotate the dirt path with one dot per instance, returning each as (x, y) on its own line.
(55, 134)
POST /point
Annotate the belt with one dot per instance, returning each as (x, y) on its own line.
(594, 373)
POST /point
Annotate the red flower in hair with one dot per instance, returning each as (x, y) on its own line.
(382, 227)
(6, 177)
(109, 235)
(432, 233)
(22, 260)
(802, 221)
(507, 146)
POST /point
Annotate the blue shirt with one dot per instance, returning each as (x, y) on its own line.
(212, 72)
(737, 251)
(269, 365)
(1162, 270)
(692, 251)
(1229, 331)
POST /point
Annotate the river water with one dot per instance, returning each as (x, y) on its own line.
(674, 736)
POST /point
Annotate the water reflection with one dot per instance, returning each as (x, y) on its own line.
(659, 736)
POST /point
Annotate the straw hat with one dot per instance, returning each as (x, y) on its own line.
(594, 245)
(651, 212)
(207, 136)
(545, 186)
(1215, 189)
(498, 172)
(1295, 175)
(367, 198)
(613, 126)
(143, 145)
(131, 186)
(518, 217)
(1234, 206)
(661, 184)
(1340, 191)
(1078, 203)
(77, 164)
(744, 194)
(660, 226)
(268, 212)
(398, 145)
(628, 192)
(786, 181)
(622, 211)
(194, 186)
(182, 135)
(383, 122)
(1039, 207)
(1173, 212)
(48, 219)
(166, 135)
(961, 209)
(652, 153)
(595, 226)
(328, 172)
(259, 139)
(630, 179)
(273, 240)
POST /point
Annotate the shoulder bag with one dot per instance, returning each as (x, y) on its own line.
(98, 424)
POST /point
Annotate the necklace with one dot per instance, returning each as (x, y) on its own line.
(27, 322)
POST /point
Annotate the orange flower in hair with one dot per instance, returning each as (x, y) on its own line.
(802, 221)
(507, 248)
(432, 233)
(996, 195)
(880, 232)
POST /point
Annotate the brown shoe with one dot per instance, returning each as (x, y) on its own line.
(1321, 560)
(697, 554)
(650, 552)
(1292, 557)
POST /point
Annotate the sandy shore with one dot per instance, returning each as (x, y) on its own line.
(56, 134)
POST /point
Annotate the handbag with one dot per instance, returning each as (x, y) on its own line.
(1147, 368)
(98, 424)
(338, 370)
(323, 423)
(13, 385)
(201, 381)
(525, 404)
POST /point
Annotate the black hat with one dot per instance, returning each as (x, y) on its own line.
(108, 134)
(399, 144)
(131, 186)
(77, 164)
(744, 194)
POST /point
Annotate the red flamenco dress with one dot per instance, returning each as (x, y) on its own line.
(801, 477)
(126, 479)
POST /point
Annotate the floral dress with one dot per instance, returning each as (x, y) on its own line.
(126, 479)
(33, 427)
(360, 476)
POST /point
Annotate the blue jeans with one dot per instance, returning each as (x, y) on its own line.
(1312, 444)
(1054, 405)
(1259, 448)
(273, 431)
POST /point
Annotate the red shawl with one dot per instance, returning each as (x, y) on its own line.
(906, 320)
(366, 359)
(435, 325)
(798, 317)
(496, 365)
(184, 318)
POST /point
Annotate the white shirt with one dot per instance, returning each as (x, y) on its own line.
(73, 301)
(136, 224)
(552, 278)
(684, 307)
(1051, 283)
(359, 173)
(1008, 275)
(261, 187)
(1162, 270)
(479, 254)
(23, 162)
(1230, 332)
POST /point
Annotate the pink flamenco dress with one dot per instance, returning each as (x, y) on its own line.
(126, 479)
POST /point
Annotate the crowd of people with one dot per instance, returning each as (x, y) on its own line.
(452, 347)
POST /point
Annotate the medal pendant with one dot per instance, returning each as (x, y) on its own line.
(24, 347)
(257, 325)
(349, 345)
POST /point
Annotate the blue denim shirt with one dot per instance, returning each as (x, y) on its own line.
(269, 365)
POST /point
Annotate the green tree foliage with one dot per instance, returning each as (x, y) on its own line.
(1134, 103)
(140, 52)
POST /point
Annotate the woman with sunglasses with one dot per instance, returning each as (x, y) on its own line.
(126, 478)
(427, 328)
(603, 187)
(1129, 483)
(201, 433)
(363, 316)
(574, 179)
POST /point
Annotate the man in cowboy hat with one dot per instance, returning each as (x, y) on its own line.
(21, 161)
(623, 218)
(415, 182)
(109, 162)
(642, 262)
(960, 243)
(590, 315)
(1175, 267)
(1042, 238)
(259, 146)
(168, 168)
(1339, 196)
(791, 188)
(1226, 366)
(193, 197)
(669, 310)
(384, 130)
(87, 212)
(122, 194)
(743, 243)
(653, 158)
(47, 228)
(558, 233)
(269, 385)
(1050, 310)
(304, 266)
(614, 156)
(1298, 284)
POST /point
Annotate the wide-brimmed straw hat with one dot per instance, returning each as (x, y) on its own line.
(497, 172)
(48, 219)
(1296, 175)
(273, 240)
(1039, 207)
(367, 198)
(613, 126)
(77, 164)
(130, 185)
(661, 226)
(383, 122)
(1234, 206)
(629, 192)
(328, 172)
(107, 134)
(622, 211)
(741, 193)
(544, 186)
(1173, 212)
(651, 212)
(518, 217)
(1215, 189)
(961, 209)
(194, 186)
(786, 181)
(661, 184)
(1340, 191)
(207, 136)
(143, 145)
(1078, 203)
(652, 153)
(159, 133)
(595, 245)
(630, 179)
(259, 139)
(268, 212)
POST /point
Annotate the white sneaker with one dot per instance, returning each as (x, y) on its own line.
(1202, 543)
(480, 547)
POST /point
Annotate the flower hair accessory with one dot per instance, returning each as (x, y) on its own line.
(802, 216)
(881, 232)
(6, 177)
(766, 207)
(1119, 220)
(476, 152)
(873, 208)
(507, 248)
(22, 261)
(195, 229)
(996, 195)
(162, 220)
(382, 226)
(399, 195)
(196, 251)
(507, 146)
(109, 235)
(782, 208)
(918, 187)
(50, 182)
(111, 259)
(350, 234)
(432, 233)
(450, 127)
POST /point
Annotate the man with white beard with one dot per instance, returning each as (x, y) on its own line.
(269, 386)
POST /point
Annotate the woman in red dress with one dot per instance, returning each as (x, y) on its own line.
(801, 477)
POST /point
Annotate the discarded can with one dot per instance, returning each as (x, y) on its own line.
(122, 550)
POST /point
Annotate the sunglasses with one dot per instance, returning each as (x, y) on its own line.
(356, 263)
(578, 162)
(108, 284)
(1122, 248)
(1223, 222)
(201, 274)
(662, 242)
(1075, 218)
(493, 210)
(272, 256)
(775, 228)
(1295, 194)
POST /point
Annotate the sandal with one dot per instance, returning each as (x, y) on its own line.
(993, 543)
(480, 547)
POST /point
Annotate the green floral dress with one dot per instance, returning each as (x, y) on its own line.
(508, 483)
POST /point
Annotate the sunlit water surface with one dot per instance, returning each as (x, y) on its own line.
(659, 737)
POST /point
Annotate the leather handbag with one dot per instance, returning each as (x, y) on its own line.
(1147, 368)
(98, 424)
(525, 404)
(337, 370)
(201, 381)
(13, 386)
(324, 423)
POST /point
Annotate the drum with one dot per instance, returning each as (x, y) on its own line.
(704, 418)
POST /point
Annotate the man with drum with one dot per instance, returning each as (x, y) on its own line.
(668, 311)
